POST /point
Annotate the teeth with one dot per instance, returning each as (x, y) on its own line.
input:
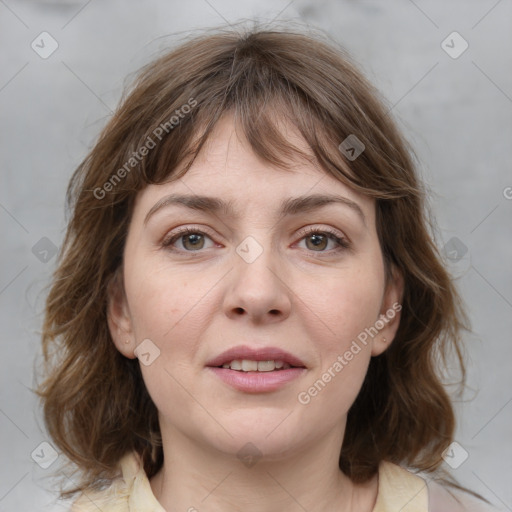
(236, 365)
(246, 365)
(266, 366)
(249, 366)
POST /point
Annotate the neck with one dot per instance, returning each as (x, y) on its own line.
(196, 477)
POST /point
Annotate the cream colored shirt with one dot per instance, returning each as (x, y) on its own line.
(399, 491)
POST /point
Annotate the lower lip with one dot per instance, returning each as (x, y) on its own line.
(257, 382)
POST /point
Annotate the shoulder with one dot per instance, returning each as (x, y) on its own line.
(130, 488)
(444, 498)
(400, 489)
(405, 490)
(112, 499)
(130, 491)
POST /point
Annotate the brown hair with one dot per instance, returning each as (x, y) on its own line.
(96, 406)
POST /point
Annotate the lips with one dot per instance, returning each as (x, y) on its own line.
(255, 354)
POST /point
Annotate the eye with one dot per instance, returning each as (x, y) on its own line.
(191, 239)
(317, 240)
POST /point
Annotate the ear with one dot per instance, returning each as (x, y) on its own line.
(118, 316)
(389, 316)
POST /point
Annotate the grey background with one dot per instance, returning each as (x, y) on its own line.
(456, 112)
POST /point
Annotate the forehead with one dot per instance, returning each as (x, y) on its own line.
(227, 168)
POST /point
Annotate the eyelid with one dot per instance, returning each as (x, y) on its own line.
(183, 230)
(322, 229)
(344, 243)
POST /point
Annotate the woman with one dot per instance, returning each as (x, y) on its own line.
(249, 309)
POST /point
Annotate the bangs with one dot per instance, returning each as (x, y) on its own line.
(264, 99)
(271, 124)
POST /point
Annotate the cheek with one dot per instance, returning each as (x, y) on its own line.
(167, 310)
(343, 309)
(163, 303)
(347, 303)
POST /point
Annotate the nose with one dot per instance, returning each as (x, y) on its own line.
(257, 290)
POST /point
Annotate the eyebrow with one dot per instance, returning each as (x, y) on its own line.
(291, 206)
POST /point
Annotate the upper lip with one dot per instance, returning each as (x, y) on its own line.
(255, 354)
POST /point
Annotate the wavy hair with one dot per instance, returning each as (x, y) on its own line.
(95, 404)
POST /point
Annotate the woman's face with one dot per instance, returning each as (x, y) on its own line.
(253, 276)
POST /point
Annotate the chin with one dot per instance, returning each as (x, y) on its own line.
(250, 449)
(269, 434)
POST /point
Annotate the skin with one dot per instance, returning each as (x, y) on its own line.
(308, 299)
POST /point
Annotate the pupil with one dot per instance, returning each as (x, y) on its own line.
(317, 240)
(193, 239)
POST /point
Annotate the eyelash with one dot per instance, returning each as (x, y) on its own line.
(343, 243)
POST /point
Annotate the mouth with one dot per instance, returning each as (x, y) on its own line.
(257, 370)
(263, 359)
(248, 365)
